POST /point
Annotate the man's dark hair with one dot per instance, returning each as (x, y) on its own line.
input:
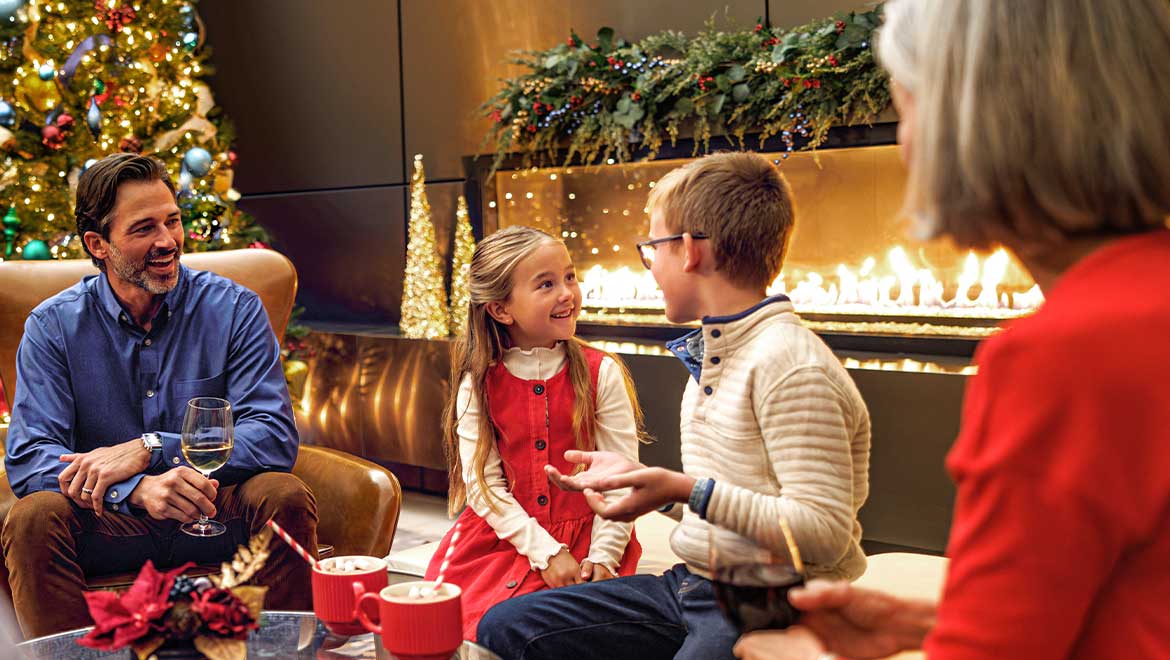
(97, 191)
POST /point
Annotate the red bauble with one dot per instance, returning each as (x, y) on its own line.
(259, 245)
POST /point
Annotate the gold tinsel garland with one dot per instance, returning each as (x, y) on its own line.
(424, 312)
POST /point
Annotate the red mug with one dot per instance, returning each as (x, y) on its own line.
(338, 582)
(421, 628)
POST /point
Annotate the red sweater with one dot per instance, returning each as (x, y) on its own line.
(1061, 541)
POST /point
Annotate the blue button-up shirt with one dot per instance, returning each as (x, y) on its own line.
(88, 376)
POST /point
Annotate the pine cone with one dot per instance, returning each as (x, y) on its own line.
(184, 622)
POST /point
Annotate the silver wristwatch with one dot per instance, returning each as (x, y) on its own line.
(151, 441)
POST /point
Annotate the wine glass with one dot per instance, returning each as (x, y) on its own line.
(207, 443)
(751, 583)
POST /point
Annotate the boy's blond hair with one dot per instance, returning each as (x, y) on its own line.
(741, 202)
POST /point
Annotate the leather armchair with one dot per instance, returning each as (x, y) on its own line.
(357, 501)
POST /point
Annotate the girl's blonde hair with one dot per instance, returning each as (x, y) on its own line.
(1038, 121)
(482, 346)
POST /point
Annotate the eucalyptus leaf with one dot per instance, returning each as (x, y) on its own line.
(851, 36)
(723, 83)
(684, 105)
(552, 61)
(740, 92)
(717, 104)
(572, 71)
(777, 54)
(623, 104)
(605, 39)
(736, 73)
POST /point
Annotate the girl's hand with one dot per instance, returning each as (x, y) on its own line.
(562, 570)
(591, 572)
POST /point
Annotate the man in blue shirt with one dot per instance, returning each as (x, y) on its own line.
(104, 373)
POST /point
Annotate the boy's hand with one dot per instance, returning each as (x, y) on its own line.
(651, 488)
(591, 572)
(601, 465)
(562, 570)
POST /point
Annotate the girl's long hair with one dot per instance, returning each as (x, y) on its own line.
(482, 346)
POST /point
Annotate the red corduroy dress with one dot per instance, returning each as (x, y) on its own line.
(533, 420)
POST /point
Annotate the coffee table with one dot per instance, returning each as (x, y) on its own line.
(281, 635)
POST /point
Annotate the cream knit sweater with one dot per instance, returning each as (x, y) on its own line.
(779, 425)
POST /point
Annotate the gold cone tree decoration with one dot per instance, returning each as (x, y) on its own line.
(424, 313)
(461, 268)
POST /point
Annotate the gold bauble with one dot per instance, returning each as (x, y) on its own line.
(37, 94)
(296, 374)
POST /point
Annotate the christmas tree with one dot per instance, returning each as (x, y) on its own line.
(424, 308)
(81, 79)
(461, 268)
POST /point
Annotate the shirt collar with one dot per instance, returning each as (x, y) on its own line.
(112, 306)
(691, 347)
(778, 298)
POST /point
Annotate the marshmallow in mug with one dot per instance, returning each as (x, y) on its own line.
(347, 565)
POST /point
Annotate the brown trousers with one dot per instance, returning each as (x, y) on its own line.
(51, 544)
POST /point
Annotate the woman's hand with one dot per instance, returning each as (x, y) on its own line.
(795, 643)
(562, 570)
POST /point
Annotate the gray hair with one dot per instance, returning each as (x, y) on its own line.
(1038, 121)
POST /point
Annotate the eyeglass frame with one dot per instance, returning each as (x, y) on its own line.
(653, 242)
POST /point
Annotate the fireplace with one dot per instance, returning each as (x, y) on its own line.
(852, 273)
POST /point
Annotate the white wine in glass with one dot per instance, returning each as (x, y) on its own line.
(207, 441)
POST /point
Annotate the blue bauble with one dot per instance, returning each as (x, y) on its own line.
(7, 114)
(88, 164)
(93, 117)
(47, 71)
(198, 161)
(36, 250)
(190, 40)
(8, 8)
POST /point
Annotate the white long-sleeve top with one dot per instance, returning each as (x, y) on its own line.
(614, 430)
(779, 425)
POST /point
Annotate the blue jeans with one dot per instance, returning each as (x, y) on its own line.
(641, 617)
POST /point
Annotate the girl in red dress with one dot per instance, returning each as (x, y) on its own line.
(525, 390)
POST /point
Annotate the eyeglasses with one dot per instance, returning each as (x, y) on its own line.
(647, 249)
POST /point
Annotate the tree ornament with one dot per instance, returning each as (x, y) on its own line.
(424, 313)
(36, 250)
(93, 117)
(47, 71)
(7, 114)
(296, 374)
(461, 268)
(157, 52)
(190, 40)
(115, 15)
(99, 86)
(130, 144)
(198, 161)
(11, 228)
(36, 94)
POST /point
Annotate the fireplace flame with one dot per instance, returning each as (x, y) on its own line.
(900, 287)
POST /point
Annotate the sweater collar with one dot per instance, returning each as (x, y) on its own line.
(722, 333)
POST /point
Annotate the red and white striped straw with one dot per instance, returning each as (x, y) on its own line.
(295, 546)
(446, 562)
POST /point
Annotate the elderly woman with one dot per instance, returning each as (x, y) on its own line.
(1043, 126)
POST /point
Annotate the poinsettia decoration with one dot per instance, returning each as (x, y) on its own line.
(215, 613)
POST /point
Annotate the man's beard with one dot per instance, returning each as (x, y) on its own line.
(139, 274)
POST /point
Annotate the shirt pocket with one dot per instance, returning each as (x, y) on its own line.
(185, 390)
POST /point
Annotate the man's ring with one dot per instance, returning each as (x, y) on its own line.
(87, 491)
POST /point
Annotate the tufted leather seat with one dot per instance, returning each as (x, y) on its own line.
(357, 501)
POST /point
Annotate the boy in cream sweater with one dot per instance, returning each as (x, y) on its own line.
(772, 427)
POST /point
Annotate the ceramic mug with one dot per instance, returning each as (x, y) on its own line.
(338, 582)
(420, 628)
